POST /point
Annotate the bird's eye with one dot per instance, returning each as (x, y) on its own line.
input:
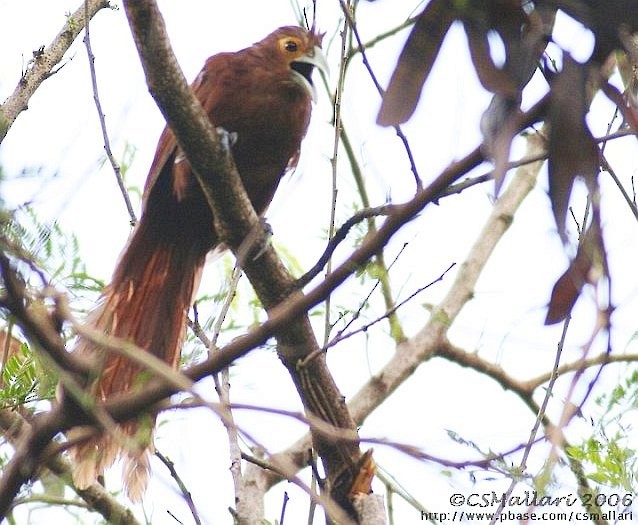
(291, 46)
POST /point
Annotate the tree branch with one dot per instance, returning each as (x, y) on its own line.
(13, 426)
(41, 67)
(235, 219)
(419, 348)
(98, 106)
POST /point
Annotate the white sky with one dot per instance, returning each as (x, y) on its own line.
(58, 143)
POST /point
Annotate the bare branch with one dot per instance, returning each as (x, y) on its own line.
(13, 426)
(102, 119)
(180, 483)
(43, 63)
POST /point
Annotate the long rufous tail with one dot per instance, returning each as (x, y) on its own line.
(146, 304)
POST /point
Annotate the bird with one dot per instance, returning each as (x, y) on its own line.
(262, 96)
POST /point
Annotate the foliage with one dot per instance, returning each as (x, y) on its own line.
(609, 454)
(56, 255)
(46, 246)
(24, 380)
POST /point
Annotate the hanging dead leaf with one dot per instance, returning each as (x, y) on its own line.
(568, 287)
(490, 76)
(415, 63)
(565, 292)
(629, 113)
(499, 125)
(572, 151)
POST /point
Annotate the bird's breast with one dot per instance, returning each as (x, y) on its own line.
(269, 128)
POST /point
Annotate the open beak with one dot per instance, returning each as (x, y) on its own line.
(303, 66)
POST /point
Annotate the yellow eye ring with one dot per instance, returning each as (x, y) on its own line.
(290, 45)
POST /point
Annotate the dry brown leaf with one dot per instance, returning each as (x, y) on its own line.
(568, 287)
(572, 151)
(491, 77)
(415, 63)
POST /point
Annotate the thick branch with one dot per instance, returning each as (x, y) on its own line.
(235, 220)
(13, 426)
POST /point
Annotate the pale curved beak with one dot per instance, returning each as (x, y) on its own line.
(303, 66)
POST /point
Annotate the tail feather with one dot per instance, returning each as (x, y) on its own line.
(146, 303)
(135, 473)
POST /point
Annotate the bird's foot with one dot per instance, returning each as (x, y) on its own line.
(228, 138)
(255, 243)
(262, 241)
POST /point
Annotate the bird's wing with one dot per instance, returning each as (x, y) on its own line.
(207, 88)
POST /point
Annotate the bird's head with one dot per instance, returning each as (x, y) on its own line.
(301, 51)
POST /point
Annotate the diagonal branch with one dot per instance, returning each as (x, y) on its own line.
(43, 64)
(235, 220)
(13, 426)
(98, 106)
(433, 336)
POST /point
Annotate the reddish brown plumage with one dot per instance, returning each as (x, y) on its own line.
(262, 94)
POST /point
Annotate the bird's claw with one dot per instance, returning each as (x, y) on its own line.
(262, 240)
(255, 243)
(228, 138)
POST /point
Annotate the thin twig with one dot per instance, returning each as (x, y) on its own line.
(382, 36)
(394, 487)
(180, 483)
(377, 84)
(607, 167)
(362, 304)
(283, 508)
(222, 386)
(537, 423)
(338, 237)
(98, 106)
(336, 102)
(396, 330)
(341, 335)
